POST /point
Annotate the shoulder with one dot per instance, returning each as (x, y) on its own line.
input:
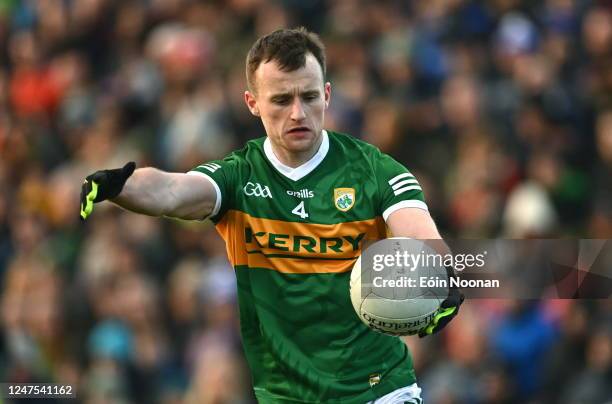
(352, 146)
(235, 163)
(252, 150)
(350, 142)
(254, 144)
(358, 152)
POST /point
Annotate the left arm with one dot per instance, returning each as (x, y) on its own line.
(404, 209)
(417, 224)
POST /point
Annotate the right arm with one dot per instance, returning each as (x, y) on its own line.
(154, 192)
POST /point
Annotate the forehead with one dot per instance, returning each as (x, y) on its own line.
(271, 79)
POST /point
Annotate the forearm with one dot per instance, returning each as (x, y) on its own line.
(146, 192)
(153, 192)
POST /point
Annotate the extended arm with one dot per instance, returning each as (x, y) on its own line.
(150, 191)
(157, 193)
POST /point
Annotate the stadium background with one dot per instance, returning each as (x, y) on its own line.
(502, 108)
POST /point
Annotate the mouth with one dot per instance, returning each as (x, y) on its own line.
(299, 131)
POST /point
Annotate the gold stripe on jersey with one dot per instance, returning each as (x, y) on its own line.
(293, 247)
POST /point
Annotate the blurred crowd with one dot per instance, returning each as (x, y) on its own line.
(502, 108)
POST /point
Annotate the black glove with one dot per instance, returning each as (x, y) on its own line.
(447, 311)
(103, 185)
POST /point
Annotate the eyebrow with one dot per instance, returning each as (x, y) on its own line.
(280, 96)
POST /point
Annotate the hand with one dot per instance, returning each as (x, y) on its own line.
(103, 185)
(447, 311)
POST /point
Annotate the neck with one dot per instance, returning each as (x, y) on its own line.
(296, 159)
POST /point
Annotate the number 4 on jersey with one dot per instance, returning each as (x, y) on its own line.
(300, 210)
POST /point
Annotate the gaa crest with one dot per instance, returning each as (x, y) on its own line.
(344, 198)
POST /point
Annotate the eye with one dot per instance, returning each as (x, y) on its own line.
(311, 96)
(281, 100)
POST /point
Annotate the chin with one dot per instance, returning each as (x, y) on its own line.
(300, 145)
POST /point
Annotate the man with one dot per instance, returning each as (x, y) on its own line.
(294, 208)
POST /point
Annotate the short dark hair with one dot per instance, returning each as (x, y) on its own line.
(288, 47)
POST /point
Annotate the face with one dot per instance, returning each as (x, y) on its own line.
(291, 106)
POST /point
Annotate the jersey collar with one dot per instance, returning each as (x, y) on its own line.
(299, 172)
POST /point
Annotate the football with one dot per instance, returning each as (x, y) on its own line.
(396, 288)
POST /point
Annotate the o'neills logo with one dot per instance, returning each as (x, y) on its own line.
(304, 193)
(398, 327)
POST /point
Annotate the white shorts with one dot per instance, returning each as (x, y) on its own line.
(406, 395)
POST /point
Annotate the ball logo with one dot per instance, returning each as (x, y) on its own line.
(256, 189)
(398, 327)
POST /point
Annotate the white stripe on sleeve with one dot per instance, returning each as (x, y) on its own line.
(408, 188)
(399, 177)
(217, 191)
(414, 203)
(405, 182)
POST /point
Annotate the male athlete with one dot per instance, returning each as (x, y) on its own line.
(294, 208)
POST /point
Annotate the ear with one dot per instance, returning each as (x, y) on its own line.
(327, 93)
(251, 103)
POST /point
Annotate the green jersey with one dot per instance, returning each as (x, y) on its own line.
(293, 235)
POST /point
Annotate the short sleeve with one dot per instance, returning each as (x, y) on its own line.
(398, 187)
(221, 174)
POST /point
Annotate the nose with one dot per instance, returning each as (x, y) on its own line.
(297, 110)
